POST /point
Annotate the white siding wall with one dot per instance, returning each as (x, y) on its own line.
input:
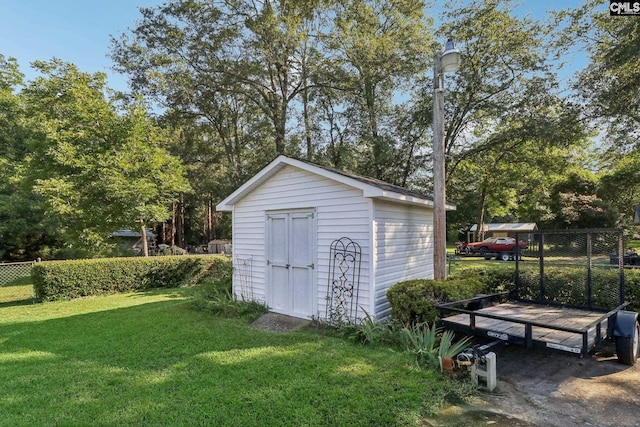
(403, 247)
(341, 211)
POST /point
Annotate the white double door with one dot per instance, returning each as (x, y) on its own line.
(291, 263)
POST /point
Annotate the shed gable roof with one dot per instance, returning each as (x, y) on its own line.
(370, 187)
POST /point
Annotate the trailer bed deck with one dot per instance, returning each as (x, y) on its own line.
(560, 328)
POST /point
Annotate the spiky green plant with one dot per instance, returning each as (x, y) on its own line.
(450, 348)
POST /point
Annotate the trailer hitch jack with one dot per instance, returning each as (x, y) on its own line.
(481, 364)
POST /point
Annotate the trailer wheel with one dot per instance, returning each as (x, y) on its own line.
(627, 348)
(504, 256)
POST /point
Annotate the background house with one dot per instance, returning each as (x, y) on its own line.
(504, 229)
(315, 242)
(133, 239)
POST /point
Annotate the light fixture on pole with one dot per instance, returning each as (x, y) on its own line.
(446, 61)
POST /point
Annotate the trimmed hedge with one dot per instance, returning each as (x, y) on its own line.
(632, 288)
(413, 301)
(498, 277)
(58, 280)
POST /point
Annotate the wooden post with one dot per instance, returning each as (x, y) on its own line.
(439, 196)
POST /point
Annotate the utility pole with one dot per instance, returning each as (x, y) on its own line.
(449, 60)
(439, 191)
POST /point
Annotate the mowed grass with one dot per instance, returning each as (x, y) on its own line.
(150, 359)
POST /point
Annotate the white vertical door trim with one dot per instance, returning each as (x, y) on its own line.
(277, 247)
(373, 258)
(302, 262)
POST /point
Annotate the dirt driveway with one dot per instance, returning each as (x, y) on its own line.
(546, 388)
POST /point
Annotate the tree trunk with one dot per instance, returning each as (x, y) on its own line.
(180, 224)
(209, 230)
(145, 245)
(376, 141)
(174, 209)
(307, 124)
(281, 127)
(483, 201)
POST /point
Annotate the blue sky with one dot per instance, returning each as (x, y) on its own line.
(79, 31)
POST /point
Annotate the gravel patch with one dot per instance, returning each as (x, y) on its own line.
(279, 323)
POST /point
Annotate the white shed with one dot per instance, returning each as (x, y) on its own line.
(287, 224)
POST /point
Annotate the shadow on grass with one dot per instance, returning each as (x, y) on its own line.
(16, 293)
(17, 302)
(162, 363)
(21, 281)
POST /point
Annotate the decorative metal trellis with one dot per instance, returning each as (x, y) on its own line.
(344, 281)
(244, 276)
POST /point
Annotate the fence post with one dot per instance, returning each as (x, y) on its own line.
(541, 253)
(589, 270)
(621, 267)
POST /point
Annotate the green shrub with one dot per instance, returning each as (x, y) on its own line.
(430, 345)
(632, 288)
(371, 331)
(73, 279)
(568, 285)
(413, 301)
(224, 304)
(496, 277)
(422, 341)
(215, 294)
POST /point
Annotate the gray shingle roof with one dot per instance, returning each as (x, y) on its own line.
(374, 182)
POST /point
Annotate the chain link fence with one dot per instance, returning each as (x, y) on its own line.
(11, 271)
(578, 268)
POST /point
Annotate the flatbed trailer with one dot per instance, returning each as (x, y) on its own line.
(543, 320)
(572, 330)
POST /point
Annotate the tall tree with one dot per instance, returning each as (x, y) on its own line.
(377, 48)
(219, 155)
(25, 230)
(502, 108)
(577, 204)
(97, 170)
(189, 53)
(607, 88)
(620, 187)
(608, 85)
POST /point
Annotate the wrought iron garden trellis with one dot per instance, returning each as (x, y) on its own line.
(244, 276)
(344, 281)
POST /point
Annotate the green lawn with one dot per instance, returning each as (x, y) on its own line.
(150, 359)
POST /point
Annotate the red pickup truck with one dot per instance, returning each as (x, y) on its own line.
(504, 247)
